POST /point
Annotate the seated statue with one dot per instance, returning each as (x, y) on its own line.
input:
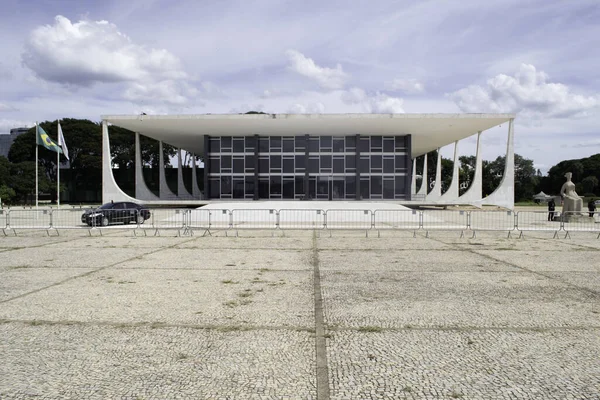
(572, 203)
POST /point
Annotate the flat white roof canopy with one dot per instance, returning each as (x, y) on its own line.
(429, 131)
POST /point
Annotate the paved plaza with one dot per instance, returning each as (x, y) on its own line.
(299, 315)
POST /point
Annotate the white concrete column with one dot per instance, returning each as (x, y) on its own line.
(474, 193)
(504, 195)
(436, 191)
(195, 189)
(181, 190)
(110, 190)
(141, 190)
(451, 195)
(165, 192)
(413, 184)
(423, 189)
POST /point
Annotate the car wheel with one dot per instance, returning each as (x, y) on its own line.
(140, 219)
(104, 221)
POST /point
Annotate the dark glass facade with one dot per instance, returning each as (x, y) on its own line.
(308, 167)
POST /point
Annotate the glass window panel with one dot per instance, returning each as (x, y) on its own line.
(215, 165)
(263, 188)
(326, 142)
(299, 180)
(263, 165)
(275, 182)
(400, 182)
(225, 162)
(388, 188)
(388, 165)
(238, 188)
(376, 163)
(364, 165)
(288, 187)
(338, 165)
(350, 163)
(364, 188)
(238, 165)
(364, 145)
(325, 162)
(275, 143)
(300, 163)
(225, 185)
(338, 144)
(215, 188)
(288, 145)
(250, 163)
(376, 185)
(226, 143)
(399, 163)
(250, 143)
(323, 187)
(388, 145)
(215, 145)
(338, 189)
(275, 163)
(312, 188)
(263, 145)
(350, 143)
(300, 143)
(400, 142)
(313, 164)
(238, 145)
(313, 145)
(288, 165)
(249, 185)
(376, 142)
(350, 186)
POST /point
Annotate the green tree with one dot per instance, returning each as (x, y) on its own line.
(589, 183)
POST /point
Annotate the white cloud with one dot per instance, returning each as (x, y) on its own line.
(6, 108)
(88, 52)
(313, 108)
(527, 93)
(378, 103)
(327, 78)
(408, 86)
(7, 124)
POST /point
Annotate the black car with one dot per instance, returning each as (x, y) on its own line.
(118, 212)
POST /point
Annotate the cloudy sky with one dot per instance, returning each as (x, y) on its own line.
(536, 58)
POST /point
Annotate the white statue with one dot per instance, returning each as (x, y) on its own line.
(571, 201)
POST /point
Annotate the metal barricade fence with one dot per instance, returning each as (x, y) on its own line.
(220, 219)
(301, 219)
(254, 219)
(69, 218)
(3, 219)
(199, 219)
(348, 219)
(573, 221)
(30, 219)
(397, 219)
(445, 220)
(166, 218)
(481, 220)
(537, 221)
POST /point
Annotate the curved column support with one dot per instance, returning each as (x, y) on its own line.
(182, 192)
(474, 192)
(196, 193)
(504, 195)
(165, 192)
(436, 192)
(413, 184)
(423, 189)
(451, 195)
(141, 190)
(110, 190)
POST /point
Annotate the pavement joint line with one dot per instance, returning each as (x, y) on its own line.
(85, 274)
(470, 328)
(320, 343)
(44, 244)
(545, 275)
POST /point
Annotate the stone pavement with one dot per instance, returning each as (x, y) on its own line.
(300, 316)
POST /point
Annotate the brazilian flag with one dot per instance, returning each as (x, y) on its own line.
(43, 139)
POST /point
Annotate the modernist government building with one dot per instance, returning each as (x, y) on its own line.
(310, 156)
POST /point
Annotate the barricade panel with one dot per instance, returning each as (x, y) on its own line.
(220, 219)
(482, 220)
(301, 219)
(538, 221)
(254, 219)
(3, 219)
(166, 218)
(580, 221)
(444, 220)
(397, 219)
(29, 219)
(348, 219)
(73, 218)
(199, 219)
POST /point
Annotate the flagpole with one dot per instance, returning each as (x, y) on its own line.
(58, 170)
(36, 165)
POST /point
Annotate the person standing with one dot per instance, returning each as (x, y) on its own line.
(592, 207)
(551, 208)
